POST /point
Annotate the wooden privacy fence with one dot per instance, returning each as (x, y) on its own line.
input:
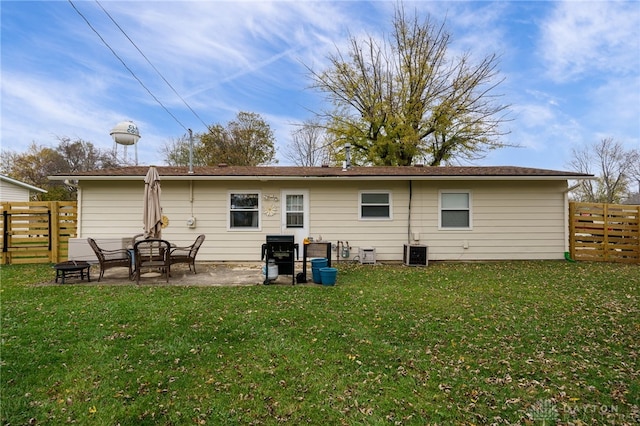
(37, 232)
(602, 232)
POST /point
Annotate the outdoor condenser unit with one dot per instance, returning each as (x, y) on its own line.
(367, 255)
(415, 255)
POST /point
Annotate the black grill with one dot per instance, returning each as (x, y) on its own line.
(281, 249)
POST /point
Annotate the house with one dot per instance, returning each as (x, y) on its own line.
(14, 190)
(459, 213)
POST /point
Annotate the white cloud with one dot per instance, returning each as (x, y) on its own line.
(54, 109)
(223, 38)
(226, 56)
(616, 112)
(534, 115)
(479, 27)
(586, 38)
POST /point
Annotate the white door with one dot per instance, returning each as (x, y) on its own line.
(295, 214)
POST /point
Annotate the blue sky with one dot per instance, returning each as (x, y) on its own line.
(572, 69)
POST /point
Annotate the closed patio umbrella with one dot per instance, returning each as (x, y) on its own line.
(152, 211)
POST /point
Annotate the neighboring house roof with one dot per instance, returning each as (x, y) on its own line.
(22, 184)
(223, 172)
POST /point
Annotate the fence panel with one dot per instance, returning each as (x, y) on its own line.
(603, 232)
(37, 232)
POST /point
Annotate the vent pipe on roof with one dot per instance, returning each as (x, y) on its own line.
(347, 158)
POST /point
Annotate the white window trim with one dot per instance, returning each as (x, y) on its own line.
(228, 208)
(305, 195)
(380, 191)
(455, 191)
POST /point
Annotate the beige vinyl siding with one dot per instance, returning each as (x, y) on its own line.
(511, 220)
(517, 220)
(335, 217)
(110, 209)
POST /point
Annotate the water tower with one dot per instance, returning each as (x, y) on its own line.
(125, 133)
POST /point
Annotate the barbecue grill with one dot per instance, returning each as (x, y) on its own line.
(281, 249)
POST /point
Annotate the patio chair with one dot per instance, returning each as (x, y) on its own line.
(150, 254)
(119, 258)
(135, 239)
(187, 254)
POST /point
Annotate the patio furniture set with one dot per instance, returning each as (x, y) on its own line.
(142, 255)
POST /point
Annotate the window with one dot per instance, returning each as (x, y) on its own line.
(375, 205)
(455, 209)
(295, 211)
(244, 210)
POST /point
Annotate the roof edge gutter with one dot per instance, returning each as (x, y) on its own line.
(325, 178)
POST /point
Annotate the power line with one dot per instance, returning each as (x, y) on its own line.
(152, 66)
(126, 66)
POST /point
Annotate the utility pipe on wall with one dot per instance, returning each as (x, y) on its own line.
(409, 212)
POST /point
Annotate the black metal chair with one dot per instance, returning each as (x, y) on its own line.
(119, 258)
(152, 254)
(187, 254)
(135, 239)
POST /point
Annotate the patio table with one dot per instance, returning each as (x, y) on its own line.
(132, 252)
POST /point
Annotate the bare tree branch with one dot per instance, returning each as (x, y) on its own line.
(615, 167)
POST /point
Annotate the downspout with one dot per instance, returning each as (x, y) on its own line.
(191, 195)
(78, 205)
(567, 254)
(79, 214)
(191, 171)
(409, 212)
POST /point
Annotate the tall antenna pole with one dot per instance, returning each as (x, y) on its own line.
(190, 151)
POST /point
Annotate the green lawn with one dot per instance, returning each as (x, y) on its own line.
(492, 343)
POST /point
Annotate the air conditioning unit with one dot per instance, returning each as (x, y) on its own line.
(367, 255)
(415, 255)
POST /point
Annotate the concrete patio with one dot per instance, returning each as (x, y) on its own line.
(209, 274)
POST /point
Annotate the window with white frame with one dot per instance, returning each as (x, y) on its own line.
(244, 210)
(455, 210)
(295, 210)
(375, 205)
